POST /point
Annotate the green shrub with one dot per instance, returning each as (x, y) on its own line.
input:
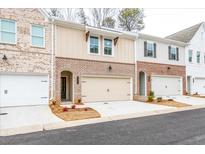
(151, 93)
(150, 99)
(159, 99)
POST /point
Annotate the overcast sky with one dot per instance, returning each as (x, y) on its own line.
(163, 22)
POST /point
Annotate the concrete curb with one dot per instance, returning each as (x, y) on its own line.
(59, 125)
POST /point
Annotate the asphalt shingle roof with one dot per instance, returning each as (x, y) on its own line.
(185, 35)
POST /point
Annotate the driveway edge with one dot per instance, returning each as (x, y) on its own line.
(59, 125)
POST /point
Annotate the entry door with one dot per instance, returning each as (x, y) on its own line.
(63, 87)
(105, 89)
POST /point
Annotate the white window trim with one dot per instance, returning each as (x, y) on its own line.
(15, 32)
(192, 55)
(44, 36)
(113, 51)
(151, 42)
(199, 57)
(172, 46)
(99, 45)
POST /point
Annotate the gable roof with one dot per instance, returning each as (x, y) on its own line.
(185, 35)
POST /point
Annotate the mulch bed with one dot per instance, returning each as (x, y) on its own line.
(70, 114)
(169, 103)
(198, 96)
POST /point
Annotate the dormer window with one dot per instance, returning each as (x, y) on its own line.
(149, 49)
(94, 44)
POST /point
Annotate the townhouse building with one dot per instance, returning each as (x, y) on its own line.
(194, 36)
(92, 64)
(160, 66)
(24, 57)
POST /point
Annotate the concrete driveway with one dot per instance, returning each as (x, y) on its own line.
(190, 100)
(17, 117)
(117, 108)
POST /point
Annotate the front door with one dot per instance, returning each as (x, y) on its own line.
(63, 87)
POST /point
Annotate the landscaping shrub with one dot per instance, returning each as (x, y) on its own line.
(65, 109)
(73, 107)
(170, 99)
(159, 99)
(150, 99)
(151, 93)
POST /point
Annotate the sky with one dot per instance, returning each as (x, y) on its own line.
(163, 22)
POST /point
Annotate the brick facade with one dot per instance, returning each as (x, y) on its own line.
(80, 67)
(159, 69)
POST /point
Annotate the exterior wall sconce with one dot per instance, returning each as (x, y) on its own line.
(110, 68)
(77, 79)
(149, 78)
(168, 68)
(4, 57)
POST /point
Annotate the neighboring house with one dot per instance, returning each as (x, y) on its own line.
(195, 56)
(24, 57)
(160, 66)
(93, 64)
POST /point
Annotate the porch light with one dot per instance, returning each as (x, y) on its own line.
(4, 57)
(110, 68)
(168, 68)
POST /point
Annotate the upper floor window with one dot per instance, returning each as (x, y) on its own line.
(173, 53)
(108, 47)
(198, 57)
(190, 55)
(7, 31)
(38, 36)
(149, 49)
(94, 45)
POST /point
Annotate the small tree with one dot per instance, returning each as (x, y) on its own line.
(55, 12)
(83, 19)
(108, 22)
(131, 19)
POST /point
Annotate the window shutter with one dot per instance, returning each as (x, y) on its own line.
(145, 48)
(169, 49)
(155, 55)
(177, 49)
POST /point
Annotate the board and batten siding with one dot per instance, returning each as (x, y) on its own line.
(161, 53)
(71, 43)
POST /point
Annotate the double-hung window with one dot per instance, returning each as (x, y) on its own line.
(149, 49)
(108, 47)
(38, 36)
(7, 31)
(198, 57)
(190, 54)
(94, 45)
(173, 53)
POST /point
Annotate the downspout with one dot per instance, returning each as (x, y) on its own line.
(52, 60)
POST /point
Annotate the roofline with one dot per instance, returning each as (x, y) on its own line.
(160, 39)
(103, 30)
(185, 29)
(44, 12)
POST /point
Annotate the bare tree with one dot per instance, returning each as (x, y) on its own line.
(55, 12)
(83, 19)
(70, 14)
(100, 17)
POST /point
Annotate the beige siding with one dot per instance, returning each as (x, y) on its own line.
(72, 43)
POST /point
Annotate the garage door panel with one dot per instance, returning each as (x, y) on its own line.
(17, 90)
(200, 86)
(105, 89)
(166, 86)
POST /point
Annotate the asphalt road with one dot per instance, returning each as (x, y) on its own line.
(187, 127)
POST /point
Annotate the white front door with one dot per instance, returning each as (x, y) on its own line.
(200, 85)
(166, 85)
(105, 89)
(17, 90)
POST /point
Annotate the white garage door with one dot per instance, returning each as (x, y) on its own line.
(105, 89)
(17, 90)
(166, 86)
(200, 85)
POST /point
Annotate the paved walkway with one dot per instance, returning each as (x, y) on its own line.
(190, 100)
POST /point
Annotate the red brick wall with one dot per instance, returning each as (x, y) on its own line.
(81, 67)
(160, 69)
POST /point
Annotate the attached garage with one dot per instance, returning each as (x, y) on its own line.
(200, 85)
(19, 90)
(106, 89)
(166, 85)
